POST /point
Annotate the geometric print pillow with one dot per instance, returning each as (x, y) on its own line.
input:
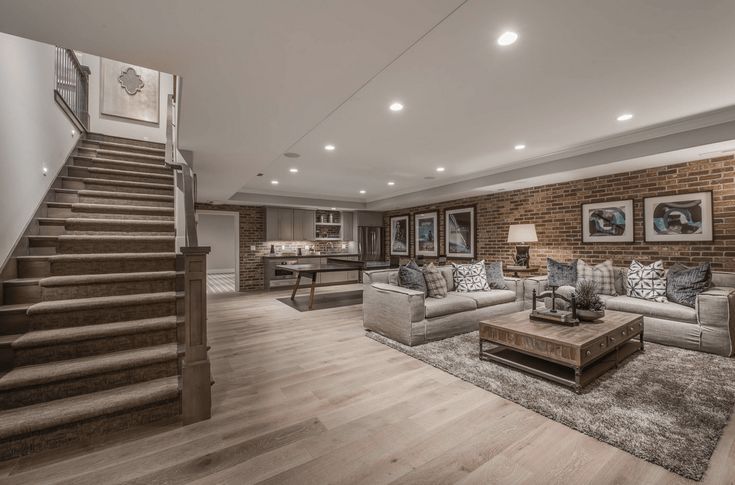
(470, 277)
(603, 274)
(647, 282)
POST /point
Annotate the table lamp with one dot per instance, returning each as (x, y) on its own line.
(522, 234)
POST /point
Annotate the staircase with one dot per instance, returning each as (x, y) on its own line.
(89, 333)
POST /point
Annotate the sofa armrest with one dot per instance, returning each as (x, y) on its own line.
(390, 310)
(538, 283)
(516, 285)
(716, 316)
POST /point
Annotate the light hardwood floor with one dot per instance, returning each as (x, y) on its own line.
(305, 398)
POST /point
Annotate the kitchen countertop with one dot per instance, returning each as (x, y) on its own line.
(323, 255)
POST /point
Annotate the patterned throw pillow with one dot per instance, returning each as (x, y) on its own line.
(647, 282)
(603, 274)
(561, 274)
(470, 277)
(683, 284)
(436, 285)
(410, 276)
(495, 278)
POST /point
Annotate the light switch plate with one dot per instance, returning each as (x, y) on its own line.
(252, 248)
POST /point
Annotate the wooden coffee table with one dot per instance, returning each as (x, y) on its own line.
(572, 356)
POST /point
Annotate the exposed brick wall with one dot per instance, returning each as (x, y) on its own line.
(252, 233)
(556, 211)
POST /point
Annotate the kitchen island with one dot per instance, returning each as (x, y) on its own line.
(314, 270)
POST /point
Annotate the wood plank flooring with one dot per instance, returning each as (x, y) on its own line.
(305, 398)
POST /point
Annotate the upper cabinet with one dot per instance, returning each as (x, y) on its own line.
(303, 225)
(279, 224)
(348, 226)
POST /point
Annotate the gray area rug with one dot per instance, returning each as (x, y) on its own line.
(666, 405)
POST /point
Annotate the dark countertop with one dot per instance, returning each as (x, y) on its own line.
(330, 255)
(319, 268)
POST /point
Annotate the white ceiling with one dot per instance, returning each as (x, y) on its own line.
(263, 78)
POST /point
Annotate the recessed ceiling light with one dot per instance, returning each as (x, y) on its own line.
(391, 183)
(439, 169)
(362, 191)
(293, 170)
(625, 117)
(396, 106)
(520, 146)
(274, 182)
(329, 148)
(507, 38)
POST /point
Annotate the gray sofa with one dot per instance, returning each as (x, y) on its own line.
(408, 317)
(709, 327)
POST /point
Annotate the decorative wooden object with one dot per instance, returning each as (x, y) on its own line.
(572, 356)
(552, 314)
(196, 396)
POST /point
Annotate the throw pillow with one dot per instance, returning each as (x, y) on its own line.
(565, 291)
(436, 285)
(603, 274)
(561, 274)
(683, 284)
(647, 282)
(410, 276)
(495, 278)
(470, 277)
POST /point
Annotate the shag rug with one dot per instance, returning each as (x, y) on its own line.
(666, 405)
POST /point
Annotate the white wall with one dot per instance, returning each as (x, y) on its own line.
(115, 126)
(217, 230)
(34, 133)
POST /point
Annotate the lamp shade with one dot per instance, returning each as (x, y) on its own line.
(522, 233)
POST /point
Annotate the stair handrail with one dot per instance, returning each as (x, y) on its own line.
(175, 160)
(71, 87)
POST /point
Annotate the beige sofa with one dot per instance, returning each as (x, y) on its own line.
(709, 327)
(408, 317)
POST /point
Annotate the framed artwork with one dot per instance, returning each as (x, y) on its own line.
(683, 217)
(426, 229)
(399, 235)
(129, 91)
(608, 222)
(460, 232)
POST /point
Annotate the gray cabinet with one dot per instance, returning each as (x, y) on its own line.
(278, 224)
(303, 225)
(348, 226)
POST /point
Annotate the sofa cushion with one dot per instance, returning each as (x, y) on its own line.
(470, 277)
(647, 281)
(561, 274)
(447, 272)
(495, 278)
(436, 285)
(647, 308)
(452, 303)
(603, 274)
(489, 298)
(411, 276)
(683, 284)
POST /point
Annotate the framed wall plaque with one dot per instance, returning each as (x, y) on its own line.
(608, 222)
(460, 232)
(426, 233)
(399, 231)
(682, 217)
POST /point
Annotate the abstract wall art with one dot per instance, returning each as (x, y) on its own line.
(682, 217)
(608, 222)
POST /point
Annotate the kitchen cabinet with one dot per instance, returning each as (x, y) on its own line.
(278, 224)
(348, 226)
(304, 225)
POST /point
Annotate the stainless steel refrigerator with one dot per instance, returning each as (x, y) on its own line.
(370, 243)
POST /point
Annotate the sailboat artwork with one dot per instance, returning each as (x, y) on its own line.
(460, 232)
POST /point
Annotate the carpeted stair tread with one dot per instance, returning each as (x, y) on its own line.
(105, 278)
(51, 240)
(58, 336)
(61, 306)
(17, 308)
(111, 171)
(121, 183)
(102, 257)
(39, 374)
(125, 165)
(101, 208)
(124, 143)
(158, 156)
(124, 195)
(53, 414)
(21, 282)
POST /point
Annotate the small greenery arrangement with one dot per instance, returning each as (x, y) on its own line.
(586, 297)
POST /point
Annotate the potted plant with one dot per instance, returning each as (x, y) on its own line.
(589, 304)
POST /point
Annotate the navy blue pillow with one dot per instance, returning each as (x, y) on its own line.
(684, 284)
(561, 274)
(410, 276)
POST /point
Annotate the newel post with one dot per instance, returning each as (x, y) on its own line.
(196, 394)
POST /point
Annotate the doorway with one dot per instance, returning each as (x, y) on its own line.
(220, 231)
